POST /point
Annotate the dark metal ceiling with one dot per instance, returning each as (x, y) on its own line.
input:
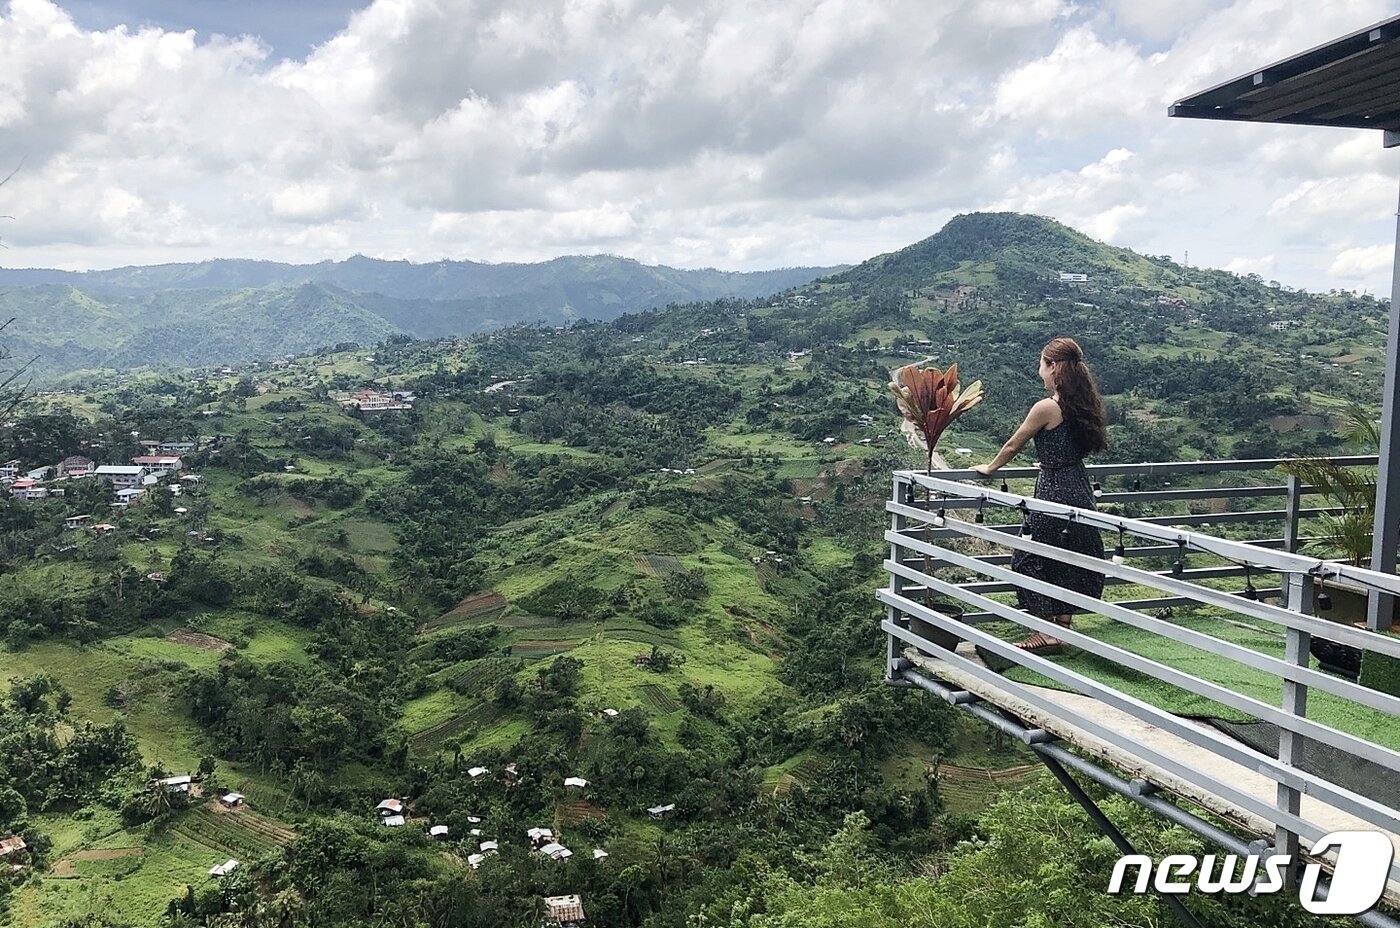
(1352, 82)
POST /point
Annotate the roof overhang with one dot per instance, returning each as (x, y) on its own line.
(1352, 82)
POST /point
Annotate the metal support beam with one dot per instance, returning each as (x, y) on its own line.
(1295, 702)
(1119, 840)
(1380, 611)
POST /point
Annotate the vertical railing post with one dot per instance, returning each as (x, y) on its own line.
(1295, 702)
(898, 524)
(1290, 518)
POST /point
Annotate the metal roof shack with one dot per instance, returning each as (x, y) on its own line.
(1352, 82)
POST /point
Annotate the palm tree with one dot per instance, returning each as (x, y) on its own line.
(1353, 488)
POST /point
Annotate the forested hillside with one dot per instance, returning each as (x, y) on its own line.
(613, 581)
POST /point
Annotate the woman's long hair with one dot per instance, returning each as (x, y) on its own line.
(1079, 395)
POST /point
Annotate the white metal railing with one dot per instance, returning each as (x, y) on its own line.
(921, 548)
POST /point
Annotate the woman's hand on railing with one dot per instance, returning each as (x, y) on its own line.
(985, 470)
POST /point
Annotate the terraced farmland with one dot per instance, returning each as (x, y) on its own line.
(235, 832)
(658, 698)
(429, 739)
(968, 789)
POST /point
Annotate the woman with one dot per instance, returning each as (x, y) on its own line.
(1067, 426)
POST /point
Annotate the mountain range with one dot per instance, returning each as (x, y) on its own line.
(226, 311)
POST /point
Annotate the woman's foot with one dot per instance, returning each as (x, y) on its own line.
(1040, 643)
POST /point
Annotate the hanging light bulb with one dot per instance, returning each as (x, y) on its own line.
(1064, 531)
(1179, 565)
(979, 518)
(1004, 487)
(1118, 552)
(908, 494)
(940, 518)
(1137, 484)
(1324, 601)
(1098, 490)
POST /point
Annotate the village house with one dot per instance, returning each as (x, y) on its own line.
(128, 496)
(374, 401)
(165, 462)
(599, 853)
(122, 476)
(76, 466)
(477, 773)
(564, 911)
(75, 522)
(223, 869)
(227, 800)
(556, 851)
(177, 447)
(438, 832)
(177, 784)
(191, 481)
(11, 845)
(660, 811)
(390, 807)
(27, 489)
(577, 782)
(539, 836)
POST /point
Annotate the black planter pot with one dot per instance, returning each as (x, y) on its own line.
(1341, 659)
(933, 633)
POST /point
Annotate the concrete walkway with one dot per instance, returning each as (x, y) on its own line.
(1324, 816)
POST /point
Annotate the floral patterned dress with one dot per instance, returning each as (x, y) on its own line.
(1062, 479)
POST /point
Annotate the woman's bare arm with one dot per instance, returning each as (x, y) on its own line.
(1040, 416)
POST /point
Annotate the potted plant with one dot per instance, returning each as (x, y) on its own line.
(930, 400)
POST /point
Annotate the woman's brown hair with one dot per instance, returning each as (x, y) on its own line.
(1079, 395)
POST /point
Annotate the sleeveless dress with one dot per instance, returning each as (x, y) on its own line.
(1062, 479)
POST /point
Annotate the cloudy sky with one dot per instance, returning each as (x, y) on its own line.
(721, 133)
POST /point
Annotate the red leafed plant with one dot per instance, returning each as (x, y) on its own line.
(930, 401)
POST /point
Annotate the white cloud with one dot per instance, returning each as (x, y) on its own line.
(1365, 263)
(717, 132)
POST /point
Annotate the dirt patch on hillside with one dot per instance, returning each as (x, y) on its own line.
(198, 640)
(479, 602)
(1347, 358)
(301, 507)
(498, 472)
(65, 870)
(1305, 422)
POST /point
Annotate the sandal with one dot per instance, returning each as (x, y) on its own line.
(1040, 643)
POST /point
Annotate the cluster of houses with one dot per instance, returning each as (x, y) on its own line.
(159, 463)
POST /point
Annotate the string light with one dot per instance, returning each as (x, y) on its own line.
(1137, 484)
(1098, 490)
(1324, 601)
(1179, 566)
(940, 518)
(1065, 531)
(980, 518)
(1025, 519)
(1118, 552)
(1004, 487)
(1249, 591)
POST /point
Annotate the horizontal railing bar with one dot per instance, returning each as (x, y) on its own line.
(1196, 573)
(1232, 550)
(1157, 467)
(1162, 496)
(1219, 744)
(1162, 602)
(1346, 634)
(1258, 660)
(1155, 550)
